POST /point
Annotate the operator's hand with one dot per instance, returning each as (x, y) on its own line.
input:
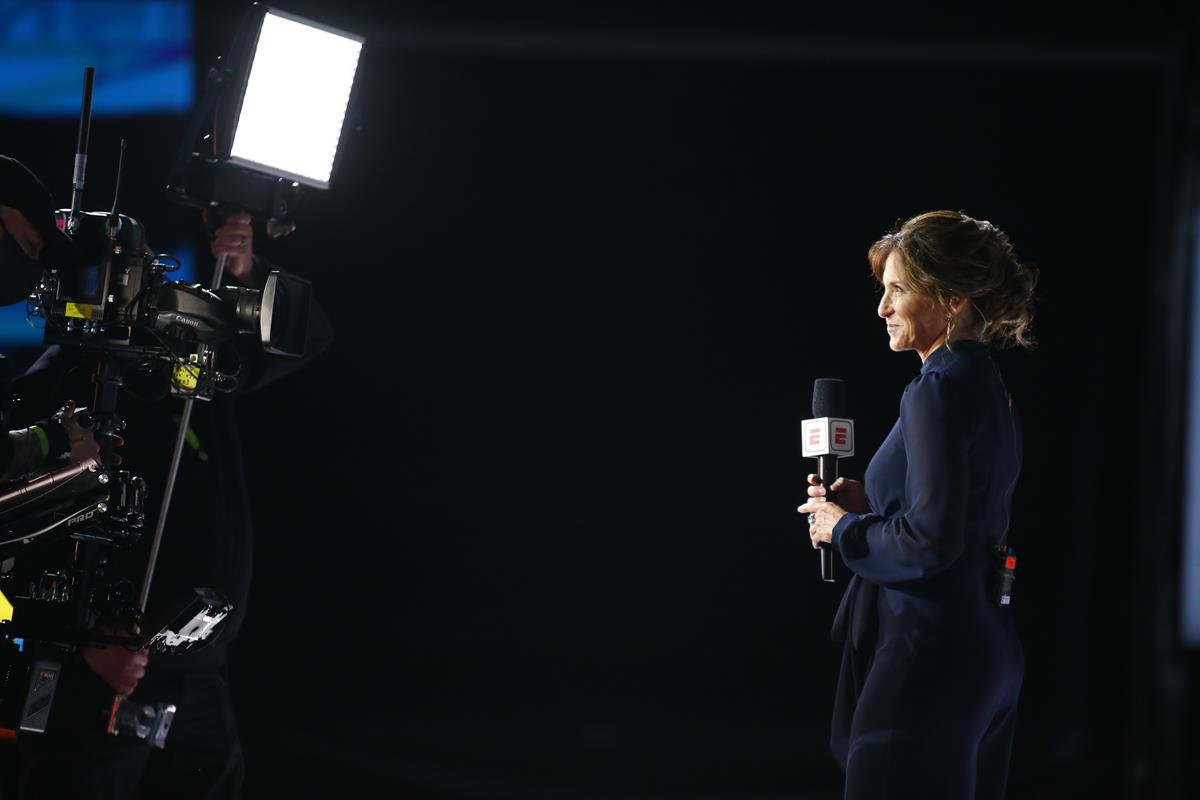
(235, 240)
(14, 223)
(117, 666)
(83, 443)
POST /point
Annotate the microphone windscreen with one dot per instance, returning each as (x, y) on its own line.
(829, 397)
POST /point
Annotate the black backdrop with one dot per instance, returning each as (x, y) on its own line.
(529, 530)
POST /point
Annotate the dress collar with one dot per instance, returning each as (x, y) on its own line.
(942, 356)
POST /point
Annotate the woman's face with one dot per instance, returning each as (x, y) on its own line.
(914, 321)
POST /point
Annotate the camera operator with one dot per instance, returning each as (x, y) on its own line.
(207, 542)
(28, 239)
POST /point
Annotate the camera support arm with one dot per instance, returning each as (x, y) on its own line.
(172, 473)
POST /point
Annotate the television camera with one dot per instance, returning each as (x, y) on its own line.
(115, 299)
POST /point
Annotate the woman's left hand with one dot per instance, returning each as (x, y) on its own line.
(823, 515)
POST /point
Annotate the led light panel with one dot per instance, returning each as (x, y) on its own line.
(296, 98)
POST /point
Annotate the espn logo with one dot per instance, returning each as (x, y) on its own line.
(826, 436)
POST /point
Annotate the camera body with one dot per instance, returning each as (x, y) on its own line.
(118, 299)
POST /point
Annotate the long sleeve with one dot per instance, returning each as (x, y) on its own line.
(927, 534)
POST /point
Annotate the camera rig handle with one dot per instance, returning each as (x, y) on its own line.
(82, 502)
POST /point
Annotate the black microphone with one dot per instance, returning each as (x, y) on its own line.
(828, 437)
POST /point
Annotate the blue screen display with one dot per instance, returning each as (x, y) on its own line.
(142, 52)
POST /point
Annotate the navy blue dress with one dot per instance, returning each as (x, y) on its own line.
(931, 670)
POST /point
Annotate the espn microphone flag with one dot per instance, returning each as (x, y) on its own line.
(827, 436)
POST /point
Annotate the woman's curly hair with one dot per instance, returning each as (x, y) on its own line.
(947, 253)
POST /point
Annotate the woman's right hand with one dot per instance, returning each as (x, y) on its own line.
(850, 493)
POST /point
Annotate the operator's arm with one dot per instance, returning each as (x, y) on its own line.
(46, 444)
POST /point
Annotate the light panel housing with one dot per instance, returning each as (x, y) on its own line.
(296, 96)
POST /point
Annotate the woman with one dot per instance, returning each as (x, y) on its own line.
(932, 666)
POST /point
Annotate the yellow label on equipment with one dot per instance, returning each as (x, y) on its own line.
(6, 609)
(186, 376)
(79, 310)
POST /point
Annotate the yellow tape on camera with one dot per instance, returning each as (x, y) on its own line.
(186, 376)
(6, 609)
(79, 310)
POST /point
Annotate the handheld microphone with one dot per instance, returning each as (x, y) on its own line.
(828, 437)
